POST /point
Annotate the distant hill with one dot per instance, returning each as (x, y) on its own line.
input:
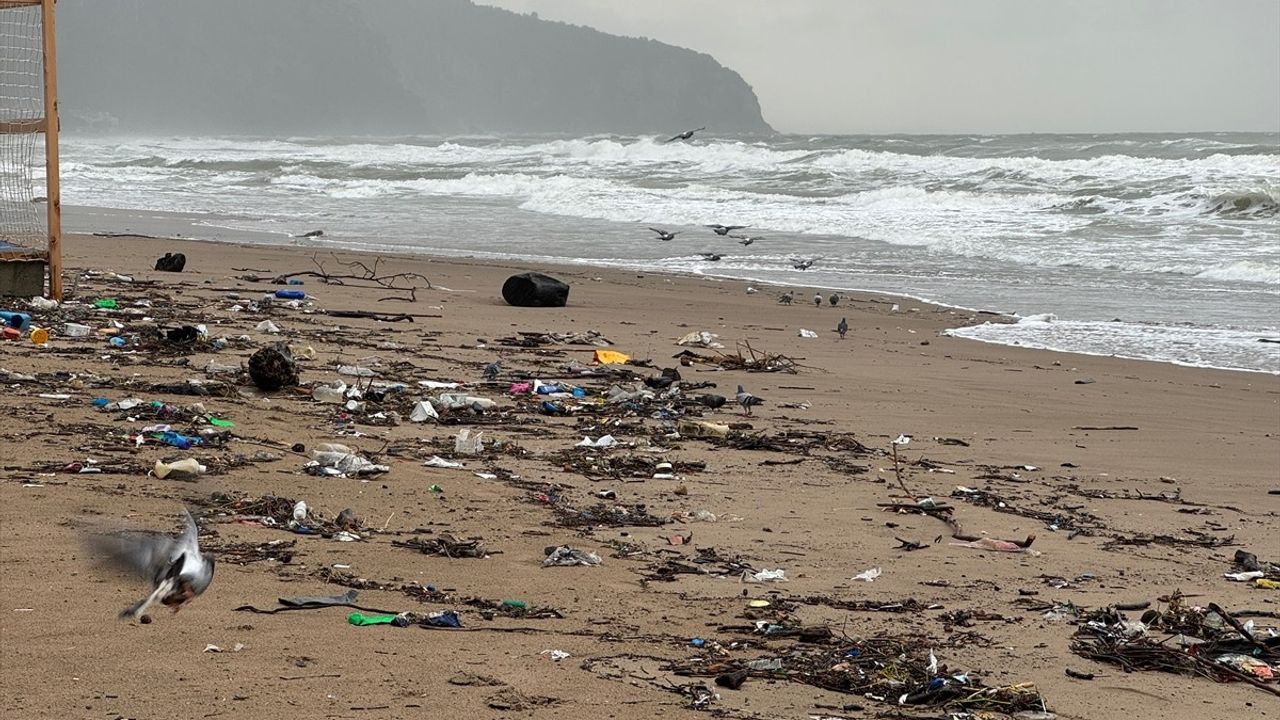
(376, 67)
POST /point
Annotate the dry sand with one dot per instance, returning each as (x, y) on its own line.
(1212, 437)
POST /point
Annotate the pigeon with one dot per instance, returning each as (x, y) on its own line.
(843, 327)
(492, 369)
(686, 134)
(711, 257)
(174, 566)
(834, 299)
(723, 230)
(744, 240)
(800, 264)
(786, 298)
(817, 299)
(746, 400)
(665, 236)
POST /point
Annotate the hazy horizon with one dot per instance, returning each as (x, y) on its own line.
(991, 67)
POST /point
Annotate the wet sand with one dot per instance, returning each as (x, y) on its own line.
(1201, 458)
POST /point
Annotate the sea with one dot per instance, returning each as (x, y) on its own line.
(1163, 247)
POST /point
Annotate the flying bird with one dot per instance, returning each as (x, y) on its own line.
(686, 134)
(492, 369)
(843, 327)
(802, 264)
(746, 400)
(173, 565)
(786, 298)
(744, 241)
(834, 299)
(711, 257)
(665, 236)
(723, 230)
(817, 299)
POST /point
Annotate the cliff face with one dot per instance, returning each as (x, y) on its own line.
(376, 67)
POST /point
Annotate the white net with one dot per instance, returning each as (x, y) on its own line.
(22, 218)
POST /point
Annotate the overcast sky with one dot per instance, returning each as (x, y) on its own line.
(917, 66)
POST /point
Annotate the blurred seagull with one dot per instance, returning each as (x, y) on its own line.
(802, 264)
(843, 327)
(744, 241)
(834, 299)
(817, 299)
(711, 257)
(665, 236)
(174, 566)
(686, 134)
(786, 298)
(723, 230)
(746, 400)
(492, 369)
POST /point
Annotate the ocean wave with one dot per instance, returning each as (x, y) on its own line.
(1225, 348)
(1249, 203)
(1243, 271)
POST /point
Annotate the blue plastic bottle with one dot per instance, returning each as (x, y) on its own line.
(291, 294)
(18, 320)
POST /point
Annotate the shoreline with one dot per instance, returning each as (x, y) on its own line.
(157, 221)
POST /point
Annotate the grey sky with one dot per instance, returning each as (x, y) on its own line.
(917, 66)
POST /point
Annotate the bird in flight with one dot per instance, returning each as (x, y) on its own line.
(711, 257)
(686, 134)
(173, 565)
(802, 264)
(746, 400)
(744, 240)
(665, 236)
(723, 230)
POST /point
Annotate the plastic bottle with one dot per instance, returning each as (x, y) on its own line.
(188, 469)
(17, 320)
(291, 295)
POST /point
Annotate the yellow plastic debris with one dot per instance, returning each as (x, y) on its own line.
(610, 357)
(1268, 584)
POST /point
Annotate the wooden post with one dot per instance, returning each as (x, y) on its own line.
(51, 127)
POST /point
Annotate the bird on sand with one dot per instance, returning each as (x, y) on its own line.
(843, 327)
(834, 299)
(723, 230)
(173, 565)
(802, 264)
(665, 236)
(817, 299)
(686, 134)
(492, 369)
(746, 400)
(786, 298)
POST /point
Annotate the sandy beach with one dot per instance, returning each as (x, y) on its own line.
(1137, 480)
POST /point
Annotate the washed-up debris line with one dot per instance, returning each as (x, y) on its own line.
(541, 339)
(244, 553)
(607, 515)
(744, 358)
(1075, 522)
(795, 442)
(430, 594)
(593, 464)
(897, 670)
(707, 561)
(1182, 639)
(274, 511)
(447, 546)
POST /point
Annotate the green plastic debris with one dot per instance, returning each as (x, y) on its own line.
(436, 489)
(219, 422)
(356, 618)
(105, 303)
(515, 604)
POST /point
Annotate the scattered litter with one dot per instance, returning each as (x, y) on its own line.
(807, 333)
(556, 655)
(565, 556)
(702, 339)
(439, 462)
(424, 411)
(868, 575)
(766, 576)
(605, 441)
